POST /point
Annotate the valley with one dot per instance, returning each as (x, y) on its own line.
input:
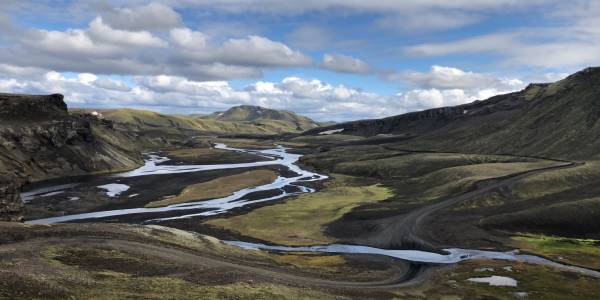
(438, 204)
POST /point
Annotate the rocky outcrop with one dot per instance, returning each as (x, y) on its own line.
(29, 107)
(40, 140)
(10, 200)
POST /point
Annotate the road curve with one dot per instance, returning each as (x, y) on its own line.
(406, 231)
(191, 259)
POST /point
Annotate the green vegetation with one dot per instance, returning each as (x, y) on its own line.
(118, 286)
(581, 252)
(240, 121)
(557, 181)
(218, 188)
(265, 117)
(539, 282)
(421, 177)
(327, 139)
(155, 262)
(246, 143)
(460, 179)
(211, 156)
(299, 221)
(418, 164)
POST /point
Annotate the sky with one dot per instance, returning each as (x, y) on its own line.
(332, 60)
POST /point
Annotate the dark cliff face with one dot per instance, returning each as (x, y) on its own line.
(32, 106)
(40, 140)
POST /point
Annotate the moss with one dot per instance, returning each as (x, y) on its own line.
(218, 188)
(557, 181)
(299, 221)
(173, 288)
(581, 252)
(211, 155)
(457, 180)
(414, 165)
(539, 282)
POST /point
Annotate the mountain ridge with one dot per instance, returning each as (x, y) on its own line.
(242, 119)
(557, 119)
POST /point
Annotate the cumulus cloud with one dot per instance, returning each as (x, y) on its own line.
(102, 49)
(310, 97)
(440, 77)
(153, 16)
(447, 86)
(345, 64)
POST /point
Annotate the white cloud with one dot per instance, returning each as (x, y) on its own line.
(447, 86)
(256, 50)
(101, 49)
(153, 16)
(345, 64)
(102, 33)
(98, 41)
(314, 98)
(188, 39)
(440, 77)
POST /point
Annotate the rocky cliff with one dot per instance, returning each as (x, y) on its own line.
(40, 140)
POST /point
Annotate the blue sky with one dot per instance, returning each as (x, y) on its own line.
(328, 59)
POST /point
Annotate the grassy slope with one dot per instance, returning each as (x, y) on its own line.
(265, 117)
(579, 252)
(538, 282)
(66, 269)
(149, 120)
(210, 156)
(419, 177)
(300, 221)
(218, 188)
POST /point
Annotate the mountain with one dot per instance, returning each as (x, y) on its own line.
(265, 117)
(40, 140)
(237, 120)
(559, 119)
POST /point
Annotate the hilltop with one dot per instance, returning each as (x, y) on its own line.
(265, 117)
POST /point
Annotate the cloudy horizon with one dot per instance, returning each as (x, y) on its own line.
(329, 59)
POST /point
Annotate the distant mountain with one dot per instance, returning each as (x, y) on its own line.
(237, 120)
(558, 119)
(264, 117)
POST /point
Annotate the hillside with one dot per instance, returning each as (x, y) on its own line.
(237, 120)
(557, 120)
(265, 117)
(40, 140)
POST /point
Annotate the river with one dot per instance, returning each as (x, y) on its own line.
(154, 165)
